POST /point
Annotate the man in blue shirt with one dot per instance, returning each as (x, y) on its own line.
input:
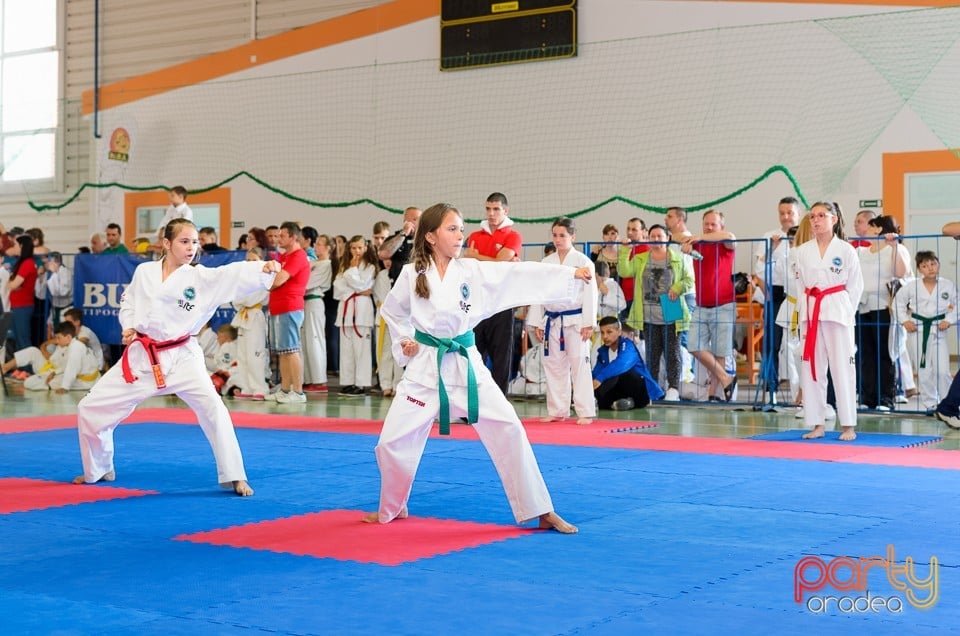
(621, 380)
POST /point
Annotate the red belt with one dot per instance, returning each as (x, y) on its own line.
(151, 346)
(811, 342)
(343, 318)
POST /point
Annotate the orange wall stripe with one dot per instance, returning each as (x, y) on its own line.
(896, 165)
(322, 34)
(315, 36)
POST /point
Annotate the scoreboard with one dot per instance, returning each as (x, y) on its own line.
(476, 33)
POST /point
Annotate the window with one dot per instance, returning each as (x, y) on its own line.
(29, 90)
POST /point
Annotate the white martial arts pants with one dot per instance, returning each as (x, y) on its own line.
(253, 360)
(356, 361)
(387, 368)
(934, 378)
(408, 425)
(566, 371)
(836, 348)
(111, 400)
(313, 342)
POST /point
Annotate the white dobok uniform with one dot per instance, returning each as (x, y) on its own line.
(788, 320)
(87, 335)
(313, 339)
(355, 320)
(915, 298)
(387, 368)
(832, 337)
(167, 310)
(567, 365)
(75, 367)
(253, 358)
(613, 302)
(469, 292)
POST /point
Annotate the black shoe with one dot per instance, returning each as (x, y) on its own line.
(623, 404)
(347, 390)
(358, 391)
(729, 389)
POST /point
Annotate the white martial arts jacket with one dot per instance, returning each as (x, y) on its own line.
(838, 266)
(470, 291)
(587, 300)
(354, 310)
(914, 297)
(182, 304)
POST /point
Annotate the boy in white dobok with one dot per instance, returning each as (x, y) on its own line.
(565, 330)
(927, 308)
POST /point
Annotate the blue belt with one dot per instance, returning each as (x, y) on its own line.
(546, 332)
(927, 323)
(460, 345)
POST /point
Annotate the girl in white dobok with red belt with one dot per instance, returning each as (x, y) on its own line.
(162, 309)
(828, 292)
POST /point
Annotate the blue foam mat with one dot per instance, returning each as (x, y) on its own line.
(670, 542)
(887, 440)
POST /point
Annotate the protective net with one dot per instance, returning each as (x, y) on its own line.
(692, 118)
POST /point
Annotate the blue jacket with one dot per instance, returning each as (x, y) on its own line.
(628, 359)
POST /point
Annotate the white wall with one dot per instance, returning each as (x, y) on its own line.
(171, 119)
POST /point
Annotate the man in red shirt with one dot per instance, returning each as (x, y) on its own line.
(286, 314)
(496, 240)
(711, 333)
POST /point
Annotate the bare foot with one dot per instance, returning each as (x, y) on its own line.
(242, 488)
(583, 421)
(816, 433)
(110, 476)
(847, 434)
(550, 418)
(556, 522)
(374, 517)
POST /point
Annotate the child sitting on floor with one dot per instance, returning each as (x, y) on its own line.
(71, 366)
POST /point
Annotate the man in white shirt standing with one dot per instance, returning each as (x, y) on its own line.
(788, 212)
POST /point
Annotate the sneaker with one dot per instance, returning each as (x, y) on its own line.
(952, 421)
(273, 397)
(799, 413)
(623, 404)
(672, 395)
(901, 399)
(359, 391)
(315, 388)
(347, 390)
(883, 408)
(291, 397)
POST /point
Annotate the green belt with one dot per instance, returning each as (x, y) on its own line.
(927, 324)
(312, 297)
(460, 345)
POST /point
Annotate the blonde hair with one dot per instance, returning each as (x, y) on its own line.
(804, 231)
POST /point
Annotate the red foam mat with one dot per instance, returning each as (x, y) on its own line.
(20, 494)
(341, 535)
(564, 433)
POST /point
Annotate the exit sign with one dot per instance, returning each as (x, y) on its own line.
(871, 203)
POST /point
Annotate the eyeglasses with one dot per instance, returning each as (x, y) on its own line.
(820, 215)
